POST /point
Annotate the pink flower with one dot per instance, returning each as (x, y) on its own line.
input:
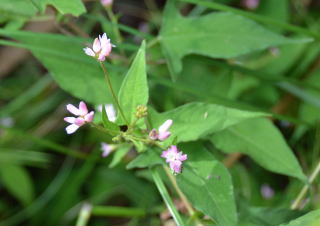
(106, 3)
(83, 117)
(251, 4)
(162, 132)
(110, 110)
(174, 158)
(101, 48)
(106, 149)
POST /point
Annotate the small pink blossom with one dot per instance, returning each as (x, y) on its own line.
(251, 4)
(101, 48)
(84, 116)
(110, 110)
(106, 149)
(162, 132)
(174, 158)
(106, 3)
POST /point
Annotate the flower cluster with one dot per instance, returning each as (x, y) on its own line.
(83, 117)
(175, 158)
(101, 48)
(162, 133)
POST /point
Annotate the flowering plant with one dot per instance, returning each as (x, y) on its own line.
(178, 112)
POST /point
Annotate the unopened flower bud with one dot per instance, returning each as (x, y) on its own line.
(153, 135)
(142, 111)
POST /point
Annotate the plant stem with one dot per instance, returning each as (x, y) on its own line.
(84, 215)
(118, 211)
(107, 78)
(181, 195)
(114, 21)
(167, 199)
(305, 188)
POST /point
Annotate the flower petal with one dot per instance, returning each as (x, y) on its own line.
(164, 135)
(106, 149)
(72, 109)
(182, 157)
(111, 112)
(83, 108)
(89, 117)
(89, 51)
(165, 126)
(72, 128)
(176, 166)
(96, 45)
(70, 119)
(79, 121)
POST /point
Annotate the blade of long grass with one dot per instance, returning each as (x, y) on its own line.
(166, 197)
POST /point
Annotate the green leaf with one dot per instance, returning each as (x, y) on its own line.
(134, 88)
(119, 154)
(310, 219)
(148, 158)
(263, 142)
(17, 8)
(217, 35)
(74, 7)
(208, 185)
(112, 127)
(18, 182)
(197, 120)
(64, 58)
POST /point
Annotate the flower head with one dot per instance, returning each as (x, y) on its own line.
(83, 117)
(106, 3)
(106, 149)
(101, 48)
(174, 157)
(162, 132)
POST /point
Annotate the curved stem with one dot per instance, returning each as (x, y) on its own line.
(166, 197)
(305, 188)
(114, 21)
(107, 78)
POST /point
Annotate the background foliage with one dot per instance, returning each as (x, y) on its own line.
(240, 83)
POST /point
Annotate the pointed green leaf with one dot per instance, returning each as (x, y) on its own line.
(259, 139)
(119, 154)
(18, 182)
(208, 185)
(217, 35)
(112, 127)
(197, 120)
(134, 88)
(74, 7)
(148, 158)
(310, 219)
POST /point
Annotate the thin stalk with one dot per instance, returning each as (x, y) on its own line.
(305, 188)
(116, 211)
(179, 192)
(166, 197)
(152, 42)
(84, 215)
(114, 21)
(102, 129)
(107, 78)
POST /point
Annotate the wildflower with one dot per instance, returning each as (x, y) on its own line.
(174, 158)
(106, 149)
(101, 48)
(110, 110)
(83, 117)
(162, 132)
(266, 191)
(106, 3)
